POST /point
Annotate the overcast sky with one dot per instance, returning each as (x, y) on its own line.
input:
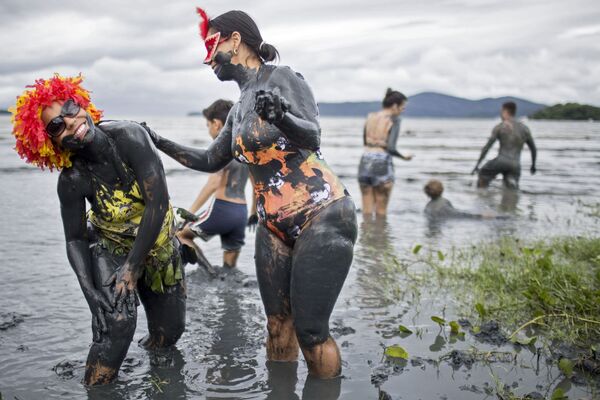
(145, 57)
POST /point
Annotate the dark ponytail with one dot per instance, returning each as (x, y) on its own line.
(393, 97)
(239, 21)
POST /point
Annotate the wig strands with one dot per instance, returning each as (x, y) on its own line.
(33, 143)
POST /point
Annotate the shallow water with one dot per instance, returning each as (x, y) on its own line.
(45, 323)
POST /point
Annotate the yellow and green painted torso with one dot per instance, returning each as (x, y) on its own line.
(116, 214)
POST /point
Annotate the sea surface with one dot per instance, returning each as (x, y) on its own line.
(45, 323)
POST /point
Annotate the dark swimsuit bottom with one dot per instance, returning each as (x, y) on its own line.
(226, 219)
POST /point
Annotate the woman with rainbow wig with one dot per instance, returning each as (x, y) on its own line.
(123, 245)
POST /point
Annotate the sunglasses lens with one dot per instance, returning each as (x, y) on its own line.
(55, 127)
(70, 108)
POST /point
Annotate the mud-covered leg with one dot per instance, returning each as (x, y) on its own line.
(382, 195)
(321, 259)
(109, 349)
(488, 173)
(511, 180)
(273, 272)
(165, 313)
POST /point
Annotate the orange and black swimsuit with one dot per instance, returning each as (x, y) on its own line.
(291, 184)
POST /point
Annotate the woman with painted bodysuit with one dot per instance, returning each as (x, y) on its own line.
(307, 230)
(376, 168)
(124, 245)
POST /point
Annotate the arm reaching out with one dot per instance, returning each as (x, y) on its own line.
(215, 157)
(486, 148)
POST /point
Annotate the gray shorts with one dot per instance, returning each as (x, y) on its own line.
(510, 170)
(375, 169)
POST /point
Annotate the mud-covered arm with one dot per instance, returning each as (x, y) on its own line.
(532, 148)
(72, 210)
(393, 139)
(453, 212)
(215, 157)
(292, 108)
(147, 167)
(487, 147)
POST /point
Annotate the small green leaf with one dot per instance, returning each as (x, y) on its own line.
(417, 248)
(454, 327)
(558, 394)
(480, 310)
(566, 367)
(404, 329)
(476, 330)
(441, 256)
(524, 341)
(438, 320)
(396, 351)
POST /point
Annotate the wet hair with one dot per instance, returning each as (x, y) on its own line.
(218, 110)
(239, 21)
(393, 97)
(511, 107)
(434, 189)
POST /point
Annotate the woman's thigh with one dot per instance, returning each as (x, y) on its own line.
(273, 272)
(320, 262)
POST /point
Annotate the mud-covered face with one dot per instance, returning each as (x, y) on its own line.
(78, 130)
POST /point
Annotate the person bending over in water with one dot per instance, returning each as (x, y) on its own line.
(512, 135)
(125, 244)
(227, 214)
(441, 208)
(307, 229)
(376, 169)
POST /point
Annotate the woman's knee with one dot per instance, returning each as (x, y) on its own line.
(121, 325)
(311, 332)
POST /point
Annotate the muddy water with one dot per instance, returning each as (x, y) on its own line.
(45, 323)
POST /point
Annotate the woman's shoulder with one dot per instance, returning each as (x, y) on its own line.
(284, 71)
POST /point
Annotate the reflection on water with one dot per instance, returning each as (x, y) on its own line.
(222, 354)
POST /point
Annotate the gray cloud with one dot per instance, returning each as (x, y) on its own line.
(144, 57)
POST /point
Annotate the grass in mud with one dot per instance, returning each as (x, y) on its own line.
(552, 286)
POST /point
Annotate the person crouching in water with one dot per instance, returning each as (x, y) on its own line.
(124, 246)
(227, 213)
(376, 169)
(441, 208)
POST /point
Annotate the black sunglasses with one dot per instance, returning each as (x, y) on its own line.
(57, 125)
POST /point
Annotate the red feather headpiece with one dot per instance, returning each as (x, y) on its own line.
(204, 23)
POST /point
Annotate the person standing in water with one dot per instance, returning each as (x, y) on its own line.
(124, 246)
(307, 220)
(227, 214)
(512, 135)
(376, 168)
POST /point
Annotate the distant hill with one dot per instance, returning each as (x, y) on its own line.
(569, 111)
(429, 104)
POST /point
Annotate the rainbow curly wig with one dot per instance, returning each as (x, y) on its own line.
(33, 143)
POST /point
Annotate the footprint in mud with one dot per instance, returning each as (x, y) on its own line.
(339, 329)
(490, 332)
(10, 320)
(66, 369)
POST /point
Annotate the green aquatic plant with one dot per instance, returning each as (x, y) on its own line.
(552, 286)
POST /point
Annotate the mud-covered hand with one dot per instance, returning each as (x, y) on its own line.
(125, 281)
(252, 222)
(98, 306)
(270, 105)
(475, 170)
(155, 137)
(533, 170)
